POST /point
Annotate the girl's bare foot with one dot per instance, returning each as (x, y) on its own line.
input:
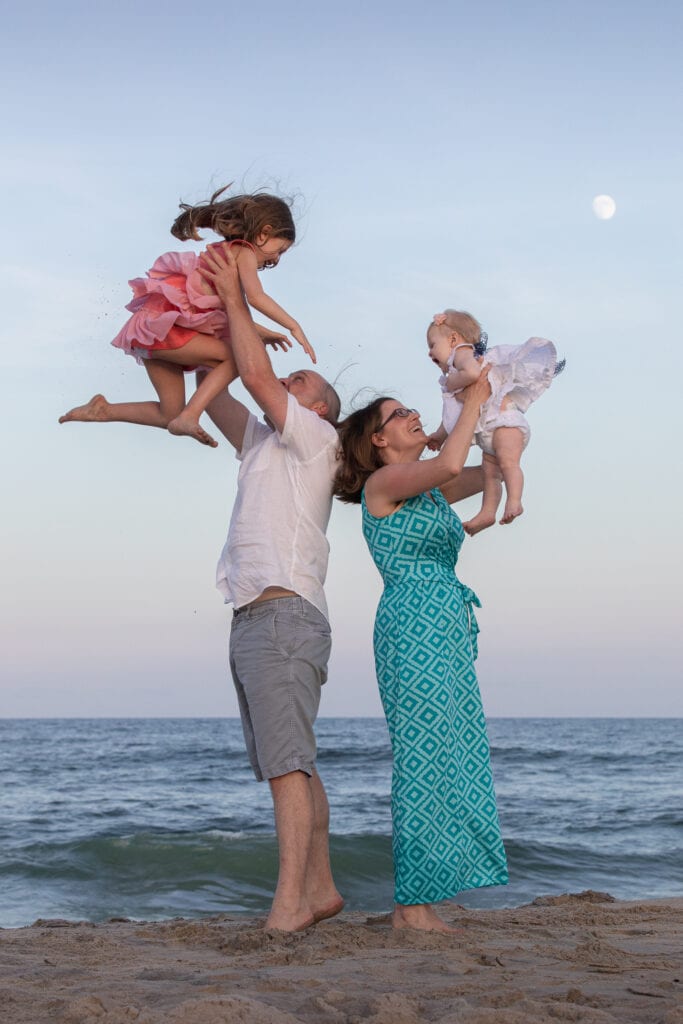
(94, 411)
(422, 917)
(512, 510)
(482, 521)
(186, 426)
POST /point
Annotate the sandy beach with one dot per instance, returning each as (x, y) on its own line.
(582, 957)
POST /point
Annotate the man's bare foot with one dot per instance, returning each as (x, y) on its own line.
(279, 921)
(186, 426)
(422, 917)
(482, 521)
(330, 909)
(512, 510)
(94, 411)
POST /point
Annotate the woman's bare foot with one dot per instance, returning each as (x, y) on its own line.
(482, 521)
(94, 411)
(512, 510)
(422, 917)
(186, 426)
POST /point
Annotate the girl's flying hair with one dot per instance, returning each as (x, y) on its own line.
(239, 217)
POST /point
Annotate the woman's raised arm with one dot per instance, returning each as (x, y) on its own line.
(394, 483)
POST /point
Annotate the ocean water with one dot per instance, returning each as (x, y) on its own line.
(155, 818)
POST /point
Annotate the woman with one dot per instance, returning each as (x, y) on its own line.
(446, 835)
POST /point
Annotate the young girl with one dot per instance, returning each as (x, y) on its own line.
(178, 323)
(518, 375)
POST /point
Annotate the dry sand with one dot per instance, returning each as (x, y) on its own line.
(582, 958)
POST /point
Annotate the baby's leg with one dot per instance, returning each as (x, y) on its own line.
(169, 384)
(508, 444)
(493, 490)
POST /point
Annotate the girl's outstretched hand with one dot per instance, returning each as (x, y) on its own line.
(299, 335)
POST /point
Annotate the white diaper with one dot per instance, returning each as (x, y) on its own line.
(505, 418)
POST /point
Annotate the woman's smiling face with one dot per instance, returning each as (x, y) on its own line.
(400, 427)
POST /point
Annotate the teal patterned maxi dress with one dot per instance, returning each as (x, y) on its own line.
(446, 835)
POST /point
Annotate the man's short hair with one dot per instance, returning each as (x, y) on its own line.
(333, 402)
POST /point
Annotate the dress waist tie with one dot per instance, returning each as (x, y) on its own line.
(470, 601)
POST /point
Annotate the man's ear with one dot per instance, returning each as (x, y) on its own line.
(321, 408)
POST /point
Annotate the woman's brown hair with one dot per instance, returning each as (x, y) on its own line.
(358, 456)
(239, 217)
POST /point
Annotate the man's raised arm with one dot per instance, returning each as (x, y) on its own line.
(219, 268)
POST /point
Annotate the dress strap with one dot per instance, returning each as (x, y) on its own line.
(241, 241)
(451, 357)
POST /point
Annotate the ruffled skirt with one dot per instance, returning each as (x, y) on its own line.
(169, 306)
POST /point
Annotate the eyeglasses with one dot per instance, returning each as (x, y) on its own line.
(401, 413)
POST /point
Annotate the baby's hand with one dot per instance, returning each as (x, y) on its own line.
(434, 442)
(297, 333)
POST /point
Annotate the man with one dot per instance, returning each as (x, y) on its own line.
(272, 569)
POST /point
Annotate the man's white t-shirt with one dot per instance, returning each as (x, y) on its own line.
(284, 499)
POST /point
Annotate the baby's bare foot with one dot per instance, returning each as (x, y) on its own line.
(480, 522)
(512, 510)
(186, 426)
(94, 411)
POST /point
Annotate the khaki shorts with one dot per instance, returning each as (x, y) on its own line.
(279, 651)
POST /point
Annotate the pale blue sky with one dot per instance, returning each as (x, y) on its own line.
(445, 155)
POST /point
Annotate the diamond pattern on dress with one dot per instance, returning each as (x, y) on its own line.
(446, 835)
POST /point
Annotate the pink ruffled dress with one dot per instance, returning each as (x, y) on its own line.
(169, 306)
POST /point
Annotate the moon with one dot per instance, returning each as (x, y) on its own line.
(604, 207)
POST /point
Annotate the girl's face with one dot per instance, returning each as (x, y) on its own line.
(441, 340)
(269, 248)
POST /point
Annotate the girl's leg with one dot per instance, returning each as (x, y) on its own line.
(187, 421)
(204, 350)
(169, 384)
(493, 490)
(508, 444)
(421, 916)
(166, 373)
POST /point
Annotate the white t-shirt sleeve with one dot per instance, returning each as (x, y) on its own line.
(305, 433)
(254, 433)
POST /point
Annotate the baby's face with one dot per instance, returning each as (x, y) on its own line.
(439, 344)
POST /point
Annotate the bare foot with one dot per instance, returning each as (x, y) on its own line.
(480, 522)
(330, 909)
(94, 411)
(512, 510)
(282, 922)
(186, 426)
(421, 917)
